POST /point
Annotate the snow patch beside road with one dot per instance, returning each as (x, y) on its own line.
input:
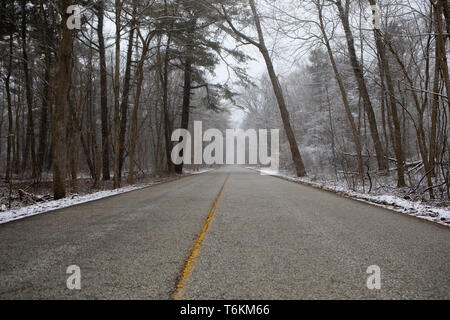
(42, 207)
(412, 208)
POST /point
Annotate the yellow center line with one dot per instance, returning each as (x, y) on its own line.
(178, 294)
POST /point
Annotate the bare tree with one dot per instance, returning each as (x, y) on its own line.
(359, 76)
(342, 90)
(62, 88)
(30, 139)
(261, 45)
(139, 79)
(118, 11)
(103, 90)
(392, 106)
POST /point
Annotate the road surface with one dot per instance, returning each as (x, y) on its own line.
(262, 238)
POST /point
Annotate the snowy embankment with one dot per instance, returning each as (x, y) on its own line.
(42, 207)
(412, 208)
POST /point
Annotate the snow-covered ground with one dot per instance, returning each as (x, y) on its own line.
(42, 207)
(392, 202)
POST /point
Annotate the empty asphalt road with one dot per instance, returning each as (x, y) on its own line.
(254, 237)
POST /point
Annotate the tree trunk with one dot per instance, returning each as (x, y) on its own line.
(71, 147)
(441, 51)
(10, 115)
(296, 157)
(30, 140)
(185, 112)
(164, 79)
(434, 118)
(16, 152)
(392, 105)
(125, 95)
(357, 70)
(43, 131)
(167, 120)
(118, 9)
(59, 119)
(344, 97)
(103, 92)
(47, 94)
(133, 125)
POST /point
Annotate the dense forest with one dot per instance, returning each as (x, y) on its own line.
(358, 88)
